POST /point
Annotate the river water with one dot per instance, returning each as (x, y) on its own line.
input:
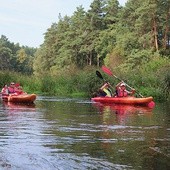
(76, 134)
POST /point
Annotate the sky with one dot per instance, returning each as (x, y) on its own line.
(26, 21)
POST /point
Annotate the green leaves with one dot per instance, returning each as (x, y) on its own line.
(15, 58)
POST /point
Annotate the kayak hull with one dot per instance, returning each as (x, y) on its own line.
(23, 98)
(123, 100)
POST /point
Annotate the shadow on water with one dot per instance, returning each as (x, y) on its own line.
(64, 133)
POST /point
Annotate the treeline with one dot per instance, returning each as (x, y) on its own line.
(14, 57)
(133, 41)
(130, 35)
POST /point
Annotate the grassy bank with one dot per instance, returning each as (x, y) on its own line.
(80, 84)
(84, 82)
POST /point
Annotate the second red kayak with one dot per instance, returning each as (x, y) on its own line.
(23, 98)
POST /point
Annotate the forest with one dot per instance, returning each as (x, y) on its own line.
(132, 40)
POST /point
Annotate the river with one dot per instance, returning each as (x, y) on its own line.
(76, 134)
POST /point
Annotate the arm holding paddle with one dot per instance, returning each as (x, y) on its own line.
(121, 90)
(105, 90)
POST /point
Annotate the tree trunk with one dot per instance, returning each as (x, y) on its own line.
(165, 39)
(98, 60)
(90, 59)
(155, 33)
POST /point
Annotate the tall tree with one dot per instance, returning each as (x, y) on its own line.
(95, 23)
(5, 58)
(6, 54)
(164, 26)
(107, 37)
(78, 30)
(111, 9)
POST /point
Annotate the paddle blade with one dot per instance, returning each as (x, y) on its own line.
(107, 70)
(151, 104)
(99, 74)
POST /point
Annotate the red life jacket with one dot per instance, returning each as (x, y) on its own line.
(122, 93)
(11, 90)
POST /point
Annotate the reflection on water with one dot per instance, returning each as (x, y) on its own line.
(122, 113)
(59, 133)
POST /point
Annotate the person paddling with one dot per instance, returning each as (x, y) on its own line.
(106, 90)
(103, 91)
(19, 90)
(121, 90)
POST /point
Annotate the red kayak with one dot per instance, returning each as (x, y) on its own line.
(22, 98)
(124, 100)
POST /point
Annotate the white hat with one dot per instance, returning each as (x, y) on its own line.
(122, 84)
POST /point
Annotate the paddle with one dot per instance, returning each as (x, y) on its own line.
(99, 75)
(108, 71)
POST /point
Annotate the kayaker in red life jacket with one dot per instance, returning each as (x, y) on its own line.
(121, 90)
(12, 88)
(19, 90)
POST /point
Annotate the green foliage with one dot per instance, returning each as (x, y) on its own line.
(5, 58)
(165, 80)
(166, 84)
(15, 58)
(138, 58)
(5, 78)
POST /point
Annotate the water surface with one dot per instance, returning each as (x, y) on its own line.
(61, 133)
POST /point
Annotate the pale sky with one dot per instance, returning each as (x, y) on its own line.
(25, 21)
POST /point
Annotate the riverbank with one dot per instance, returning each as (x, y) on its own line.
(83, 83)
